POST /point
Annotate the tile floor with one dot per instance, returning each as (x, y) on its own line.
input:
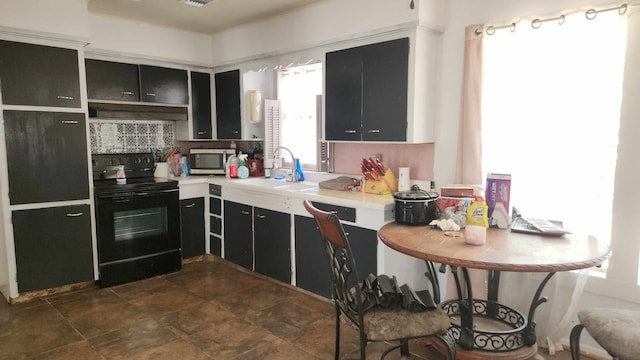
(209, 310)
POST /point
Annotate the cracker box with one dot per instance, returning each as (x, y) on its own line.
(497, 196)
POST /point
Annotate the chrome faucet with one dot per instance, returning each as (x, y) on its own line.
(294, 175)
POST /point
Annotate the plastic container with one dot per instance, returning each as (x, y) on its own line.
(299, 173)
(232, 163)
(475, 235)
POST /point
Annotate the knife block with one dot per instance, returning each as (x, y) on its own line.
(386, 185)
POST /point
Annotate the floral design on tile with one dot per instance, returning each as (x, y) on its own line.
(108, 137)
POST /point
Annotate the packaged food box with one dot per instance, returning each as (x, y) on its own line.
(456, 190)
(455, 202)
(497, 196)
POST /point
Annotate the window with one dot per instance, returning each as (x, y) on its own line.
(550, 117)
(298, 90)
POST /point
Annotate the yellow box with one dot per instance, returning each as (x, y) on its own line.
(385, 185)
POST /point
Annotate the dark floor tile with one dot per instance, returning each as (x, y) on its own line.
(279, 350)
(174, 350)
(231, 339)
(213, 288)
(133, 341)
(166, 302)
(80, 350)
(28, 318)
(107, 319)
(35, 340)
(319, 338)
(196, 318)
(85, 301)
(143, 288)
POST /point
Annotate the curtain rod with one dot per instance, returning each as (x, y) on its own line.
(537, 23)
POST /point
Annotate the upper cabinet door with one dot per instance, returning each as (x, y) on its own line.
(107, 80)
(46, 156)
(343, 95)
(201, 105)
(228, 119)
(384, 91)
(39, 75)
(163, 85)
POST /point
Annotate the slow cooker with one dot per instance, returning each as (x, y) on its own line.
(416, 206)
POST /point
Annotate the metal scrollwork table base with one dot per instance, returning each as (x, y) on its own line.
(485, 328)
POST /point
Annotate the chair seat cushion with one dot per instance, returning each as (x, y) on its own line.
(386, 325)
(617, 331)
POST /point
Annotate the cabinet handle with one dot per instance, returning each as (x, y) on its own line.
(349, 131)
(190, 205)
(130, 93)
(346, 233)
(373, 131)
(151, 94)
(70, 122)
(74, 214)
(201, 132)
(235, 131)
(244, 212)
(62, 97)
(261, 216)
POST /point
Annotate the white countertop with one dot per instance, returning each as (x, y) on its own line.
(302, 190)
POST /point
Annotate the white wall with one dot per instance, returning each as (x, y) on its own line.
(118, 36)
(67, 18)
(314, 25)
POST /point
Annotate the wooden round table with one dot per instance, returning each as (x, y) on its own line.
(504, 251)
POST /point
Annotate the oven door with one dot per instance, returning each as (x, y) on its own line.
(137, 224)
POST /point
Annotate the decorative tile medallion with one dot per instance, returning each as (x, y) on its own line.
(109, 137)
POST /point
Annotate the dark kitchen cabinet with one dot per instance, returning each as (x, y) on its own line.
(163, 85)
(56, 252)
(312, 266)
(366, 92)
(228, 119)
(46, 156)
(39, 75)
(344, 95)
(201, 105)
(193, 227)
(238, 234)
(108, 80)
(272, 244)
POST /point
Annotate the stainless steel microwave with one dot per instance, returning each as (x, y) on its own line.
(209, 161)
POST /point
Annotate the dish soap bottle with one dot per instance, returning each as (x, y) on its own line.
(299, 173)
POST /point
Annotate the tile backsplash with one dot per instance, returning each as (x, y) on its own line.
(109, 137)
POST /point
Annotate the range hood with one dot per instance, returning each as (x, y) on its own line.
(137, 111)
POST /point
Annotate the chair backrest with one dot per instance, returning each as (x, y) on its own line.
(347, 292)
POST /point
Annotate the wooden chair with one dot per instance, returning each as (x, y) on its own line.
(375, 324)
(617, 331)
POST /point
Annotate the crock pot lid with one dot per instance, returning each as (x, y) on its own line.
(415, 194)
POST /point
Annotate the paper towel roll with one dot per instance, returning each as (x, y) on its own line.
(403, 179)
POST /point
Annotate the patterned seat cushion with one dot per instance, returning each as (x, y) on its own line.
(617, 331)
(386, 325)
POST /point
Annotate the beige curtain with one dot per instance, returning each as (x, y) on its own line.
(469, 162)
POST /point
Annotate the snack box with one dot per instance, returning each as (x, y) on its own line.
(456, 190)
(456, 202)
(497, 197)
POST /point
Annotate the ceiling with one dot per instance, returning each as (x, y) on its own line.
(213, 17)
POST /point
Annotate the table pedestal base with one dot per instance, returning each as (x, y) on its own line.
(524, 353)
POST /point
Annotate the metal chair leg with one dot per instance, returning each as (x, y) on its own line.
(574, 341)
(337, 347)
(448, 340)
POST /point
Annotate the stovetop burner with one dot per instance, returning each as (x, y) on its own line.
(138, 168)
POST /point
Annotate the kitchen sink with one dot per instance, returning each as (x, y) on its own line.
(278, 184)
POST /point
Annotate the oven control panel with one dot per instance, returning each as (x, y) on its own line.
(105, 166)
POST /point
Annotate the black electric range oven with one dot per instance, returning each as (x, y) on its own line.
(138, 222)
